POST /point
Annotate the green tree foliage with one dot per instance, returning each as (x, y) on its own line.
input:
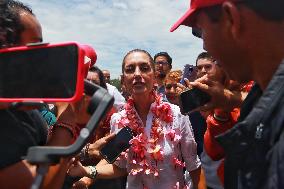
(116, 83)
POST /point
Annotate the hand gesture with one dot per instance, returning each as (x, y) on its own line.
(221, 97)
(76, 169)
(94, 149)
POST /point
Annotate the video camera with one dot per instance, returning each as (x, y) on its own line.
(43, 72)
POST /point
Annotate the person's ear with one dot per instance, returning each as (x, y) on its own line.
(232, 19)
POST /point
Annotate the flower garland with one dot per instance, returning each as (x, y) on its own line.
(141, 144)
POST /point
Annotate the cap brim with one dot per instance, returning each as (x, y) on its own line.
(186, 19)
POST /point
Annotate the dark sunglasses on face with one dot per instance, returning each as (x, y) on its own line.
(169, 86)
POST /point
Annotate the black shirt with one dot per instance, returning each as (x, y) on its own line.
(199, 127)
(20, 130)
(254, 146)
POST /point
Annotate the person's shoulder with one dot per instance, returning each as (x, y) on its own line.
(175, 109)
(118, 115)
(109, 86)
(116, 121)
(113, 90)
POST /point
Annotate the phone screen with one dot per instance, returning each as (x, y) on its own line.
(192, 99)
(189, 72)
(39, 72)
(118, 144)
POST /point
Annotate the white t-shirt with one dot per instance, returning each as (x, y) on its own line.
(119, 100)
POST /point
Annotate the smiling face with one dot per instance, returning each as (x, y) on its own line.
(138, 73)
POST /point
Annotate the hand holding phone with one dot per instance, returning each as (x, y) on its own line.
(118, 144)
(192, 99)
(94, 148)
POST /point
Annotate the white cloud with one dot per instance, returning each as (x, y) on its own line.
(113, 27)
(120, 5)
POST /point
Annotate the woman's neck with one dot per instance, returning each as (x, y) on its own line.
(142, 105)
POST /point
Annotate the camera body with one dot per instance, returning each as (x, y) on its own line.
(44, 72)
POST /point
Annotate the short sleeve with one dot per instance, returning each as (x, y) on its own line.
(119, 100)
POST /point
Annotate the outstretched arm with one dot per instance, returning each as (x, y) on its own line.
(104, 170)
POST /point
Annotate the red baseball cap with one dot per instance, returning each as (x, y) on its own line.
(188, 18)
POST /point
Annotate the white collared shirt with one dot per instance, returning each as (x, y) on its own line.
(169, 175)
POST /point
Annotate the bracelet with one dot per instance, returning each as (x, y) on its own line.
(67, 126)
(218, 118)
(87, 150)
(84, 153)
(93, 172)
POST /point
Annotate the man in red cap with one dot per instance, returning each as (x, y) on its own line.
(246, 38)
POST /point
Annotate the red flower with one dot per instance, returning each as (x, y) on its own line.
(173, 136)
(139, 144)
(178, 163)
(156, 153)
(163, 111)
(122, 123)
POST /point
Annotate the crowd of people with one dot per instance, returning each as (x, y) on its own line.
(233, 141)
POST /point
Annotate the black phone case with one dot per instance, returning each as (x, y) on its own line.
(192, 99)
(118, 144)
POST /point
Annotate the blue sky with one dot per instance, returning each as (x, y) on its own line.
(113, 27)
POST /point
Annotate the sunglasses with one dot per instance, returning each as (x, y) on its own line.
(169, 86)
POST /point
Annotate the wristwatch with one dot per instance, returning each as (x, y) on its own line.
(93, 172)
(218, 118)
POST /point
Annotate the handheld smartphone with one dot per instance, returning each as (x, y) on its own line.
(42, 72)
(189, 72)
(192, 99)
(118, 144)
